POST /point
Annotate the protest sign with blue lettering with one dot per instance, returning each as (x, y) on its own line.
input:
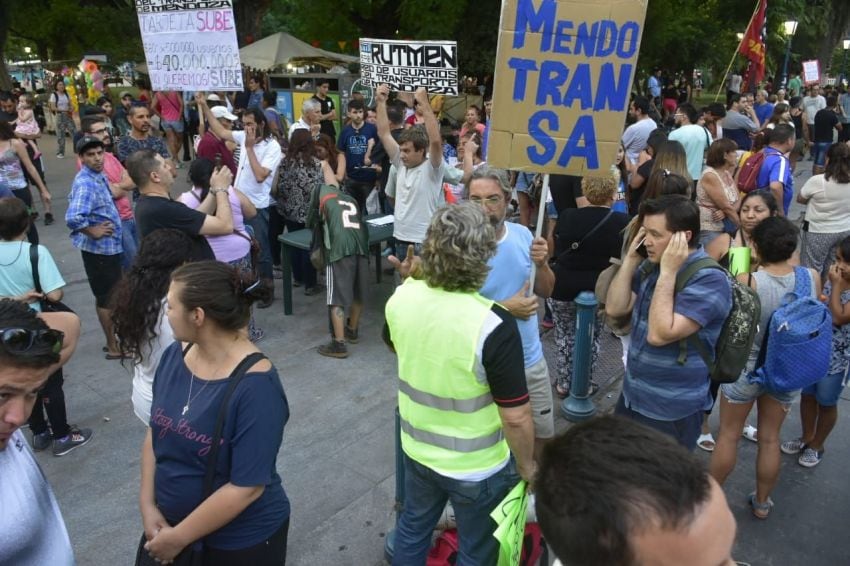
(564, 73)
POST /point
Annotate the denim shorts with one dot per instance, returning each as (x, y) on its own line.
(819, 152)
(176, 125)
(745, 391)
(827, 390)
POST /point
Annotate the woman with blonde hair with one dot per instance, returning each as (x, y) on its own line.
(585, 239)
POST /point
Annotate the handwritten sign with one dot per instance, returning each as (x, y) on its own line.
(564, 73)
(510, 516)
(406, 65)
(190, 44)
(811, 72)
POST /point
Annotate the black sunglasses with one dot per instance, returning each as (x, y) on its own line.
(20, 340)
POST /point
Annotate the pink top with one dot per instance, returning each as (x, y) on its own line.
(169, 105)
(479, 127)
(230, 247)
(26, 123)
(114, 171)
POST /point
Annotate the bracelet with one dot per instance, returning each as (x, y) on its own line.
(219, 190)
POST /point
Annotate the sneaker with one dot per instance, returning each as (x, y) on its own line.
(60, 156)
(792, 446)
(334, 349)
(351, 334)
(810, 457)
(42, 441)
(75, 438)
(314, 290)
(48, 218)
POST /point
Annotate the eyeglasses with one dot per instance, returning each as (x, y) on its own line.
(100, 131)
(20, 340)
(488, 201)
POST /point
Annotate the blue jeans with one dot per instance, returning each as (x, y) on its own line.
(260, 225)
(130, 243)
(685, 431)
(425, 496)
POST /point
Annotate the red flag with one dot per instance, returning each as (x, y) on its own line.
(752, 46)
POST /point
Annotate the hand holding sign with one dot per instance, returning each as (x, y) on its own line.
(422, 98)
(201, 99)
(382, 93)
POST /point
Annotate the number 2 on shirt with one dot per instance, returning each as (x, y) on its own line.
(350, 210)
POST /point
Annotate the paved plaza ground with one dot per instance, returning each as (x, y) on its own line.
(337, 458)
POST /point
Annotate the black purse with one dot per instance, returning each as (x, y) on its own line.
(46, 304)
(193, 555)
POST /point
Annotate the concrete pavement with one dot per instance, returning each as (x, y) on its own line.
(337, 460)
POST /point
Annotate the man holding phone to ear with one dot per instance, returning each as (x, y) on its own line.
(659, 390)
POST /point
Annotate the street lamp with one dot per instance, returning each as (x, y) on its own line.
(844, 61)
(790, 28)
(740, 36)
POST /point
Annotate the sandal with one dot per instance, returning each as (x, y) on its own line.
(760, 510)
(751, 433)
(706, 442)
(562, 392)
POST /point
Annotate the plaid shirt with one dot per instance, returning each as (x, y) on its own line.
(90, 204)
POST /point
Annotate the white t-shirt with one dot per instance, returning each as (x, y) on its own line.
(299, 125)
(828, 210)
(269, 155)
(418, 193)
(144, 372)
(635, 136)
(32, 531)
(811, 104)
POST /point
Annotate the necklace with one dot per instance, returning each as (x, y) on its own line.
(189, 397)
(20, 249)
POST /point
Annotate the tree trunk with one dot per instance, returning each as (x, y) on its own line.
(249, 15)
(837, 30)
(5, 80)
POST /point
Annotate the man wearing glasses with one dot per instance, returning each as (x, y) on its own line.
(31, 527)
(693, 137)
(507, 283)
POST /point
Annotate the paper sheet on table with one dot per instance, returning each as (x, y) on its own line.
(383, 220)
(510, 516)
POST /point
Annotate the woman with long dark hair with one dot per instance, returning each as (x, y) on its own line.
(300, 174)
(139, 309)
(213, 370)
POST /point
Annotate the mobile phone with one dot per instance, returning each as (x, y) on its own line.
(641, 249)
(217, 161)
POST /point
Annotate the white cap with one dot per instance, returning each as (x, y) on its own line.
(214, 97)
(221, 112)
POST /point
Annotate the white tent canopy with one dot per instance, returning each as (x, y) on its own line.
(281, 48)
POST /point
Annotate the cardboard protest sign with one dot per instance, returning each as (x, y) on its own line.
(190, 44)
(564, 73)
(407, 65)
(811, 72)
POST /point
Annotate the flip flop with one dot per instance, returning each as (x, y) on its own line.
(114, 356)
(760, 510)
(706, 442)
(750, 433)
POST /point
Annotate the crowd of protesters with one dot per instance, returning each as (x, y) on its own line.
(175, 278)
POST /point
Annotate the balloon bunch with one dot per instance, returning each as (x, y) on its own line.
(94, 80)
(70, 87)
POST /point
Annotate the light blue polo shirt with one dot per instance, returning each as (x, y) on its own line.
(510, 268)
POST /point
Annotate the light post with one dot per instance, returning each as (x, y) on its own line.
(844, 61)
(790, 29)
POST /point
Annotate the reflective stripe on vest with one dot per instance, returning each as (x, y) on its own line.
(450, 442)
(444, 403)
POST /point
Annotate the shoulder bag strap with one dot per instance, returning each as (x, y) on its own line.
(682, 279)
(576, 245)
(802, 282)
(235, 379)
(34, 263)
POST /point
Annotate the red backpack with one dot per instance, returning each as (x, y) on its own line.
(534, 550)
(748, 176)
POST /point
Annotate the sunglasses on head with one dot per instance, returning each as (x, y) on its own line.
(20, 340)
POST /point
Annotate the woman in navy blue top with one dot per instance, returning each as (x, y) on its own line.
(246, 519)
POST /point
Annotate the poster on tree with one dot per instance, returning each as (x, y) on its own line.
(190, 44)
(564, 72)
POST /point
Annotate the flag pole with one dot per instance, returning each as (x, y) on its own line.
(737, 49)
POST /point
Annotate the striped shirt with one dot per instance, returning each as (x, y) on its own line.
(656, 385)
(90, 204)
